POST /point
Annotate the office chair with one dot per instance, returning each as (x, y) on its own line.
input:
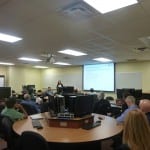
(7, 132)
(102, 107)
(30, 140)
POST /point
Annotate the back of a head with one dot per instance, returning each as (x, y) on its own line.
(130, 99)
(91, 90)
(101, 95)
(145, 105)
(10, 102)
(136, 130)
(27, 97)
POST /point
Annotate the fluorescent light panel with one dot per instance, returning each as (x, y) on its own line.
(6, 63)
(62, 63)
(41, 67)
(105, 6)
(101, 59)
(29, 59)
(9, 38)
(72, 52)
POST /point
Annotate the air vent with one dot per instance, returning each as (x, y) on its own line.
(132, 60)
(79, 10)
(141, 49)
(66, 58)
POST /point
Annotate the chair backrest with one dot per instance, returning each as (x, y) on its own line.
(102, 107)
(6, 130)
(30, 140)
(29, 109)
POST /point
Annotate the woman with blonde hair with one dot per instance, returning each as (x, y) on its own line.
(136, 132)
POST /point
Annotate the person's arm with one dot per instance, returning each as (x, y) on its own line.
(121, 118)
(20, 107)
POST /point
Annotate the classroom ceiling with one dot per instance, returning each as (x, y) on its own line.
(48, 26)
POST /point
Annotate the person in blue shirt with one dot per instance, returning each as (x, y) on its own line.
(27, 100)
(130, 101)
(49, 92)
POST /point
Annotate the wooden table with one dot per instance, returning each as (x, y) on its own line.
(107, 129)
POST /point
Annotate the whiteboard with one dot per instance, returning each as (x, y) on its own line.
(129, 80)
(2, 81)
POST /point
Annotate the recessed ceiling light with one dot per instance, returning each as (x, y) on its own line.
(105, 6)
(5, 63)
(72, 52)
(29, 59)
(40, 67)
(62, 63)
(102, 59)
(9, 38)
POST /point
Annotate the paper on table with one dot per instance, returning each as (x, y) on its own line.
(37, 116)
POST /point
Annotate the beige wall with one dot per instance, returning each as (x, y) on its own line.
(70, 76)
(143, 67)
(4, 71)
(19, 76)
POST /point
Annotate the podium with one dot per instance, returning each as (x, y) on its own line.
(71, 122)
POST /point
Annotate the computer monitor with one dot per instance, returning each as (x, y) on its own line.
(81, 105)
(68, 89)
(129, 91)
(122, 93)
(119, 93)
(5, 92)
(138, 93)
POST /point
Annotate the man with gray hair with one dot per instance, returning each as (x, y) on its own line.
(27, 101)
(130, 101)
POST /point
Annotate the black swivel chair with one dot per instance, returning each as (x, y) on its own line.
(30, 140)
(102, 107)
(7, 132)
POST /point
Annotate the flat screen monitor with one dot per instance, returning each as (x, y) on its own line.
(100, 77)
(119, 93)
(5, 92)
(68, 89)
(81, 105)
(138, 93)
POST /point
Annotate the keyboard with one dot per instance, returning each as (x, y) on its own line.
(36, 124)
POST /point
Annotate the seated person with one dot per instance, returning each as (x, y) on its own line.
(27, 100)
(12, 110)
(130, 101)
(136, 132)
(124, 104)
(145, 107)
(92, 92)
(49, 92)
(102, 106)
(14, 94)
(39, 97)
